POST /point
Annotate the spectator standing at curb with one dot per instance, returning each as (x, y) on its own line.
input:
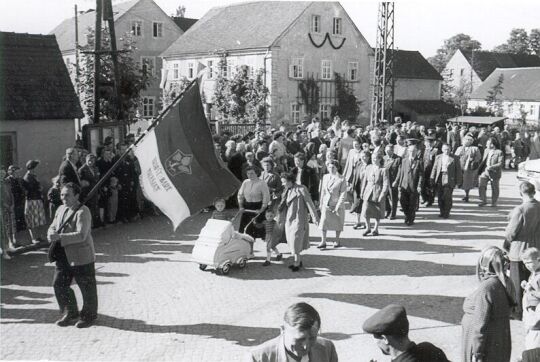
(34, 211)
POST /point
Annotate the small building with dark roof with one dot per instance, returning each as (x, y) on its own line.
(38, 103)
(466, 68)
(417, 89)
(519, 96)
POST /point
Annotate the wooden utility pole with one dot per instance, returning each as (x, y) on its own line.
(77, 74)
(109, 17)
(97, 59)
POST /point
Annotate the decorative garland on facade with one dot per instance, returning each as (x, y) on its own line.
(326, 37)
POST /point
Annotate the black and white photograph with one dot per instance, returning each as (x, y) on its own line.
(270, 181)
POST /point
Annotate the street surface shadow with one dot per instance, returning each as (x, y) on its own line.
(10, 296)
(436, 307)
(383, 244)
(241, 335)
(332, 265)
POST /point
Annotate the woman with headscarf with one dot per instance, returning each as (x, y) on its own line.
(333, 192)
(294, 210)
(486, 322)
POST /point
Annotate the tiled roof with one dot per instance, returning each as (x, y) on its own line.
(410, 64)
(184, 23)
(34, 80)
(427, 106)
(65, 31)
(484, 62)
(520, 84)
(240, 26)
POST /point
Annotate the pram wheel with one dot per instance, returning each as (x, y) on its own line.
(242, 263)
(226, 268)
(202, 266)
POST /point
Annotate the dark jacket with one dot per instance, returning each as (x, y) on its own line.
(68, 173)
(411, 175)
(310, 180)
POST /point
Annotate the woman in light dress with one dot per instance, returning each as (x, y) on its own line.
(333, 193)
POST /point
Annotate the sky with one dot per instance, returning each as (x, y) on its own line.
(421, 25)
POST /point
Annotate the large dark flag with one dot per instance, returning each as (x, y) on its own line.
(180, 171)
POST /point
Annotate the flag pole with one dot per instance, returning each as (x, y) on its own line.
(124, 155)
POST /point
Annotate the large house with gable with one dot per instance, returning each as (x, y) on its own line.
(152, 29)
(471, 68)
(290, 41)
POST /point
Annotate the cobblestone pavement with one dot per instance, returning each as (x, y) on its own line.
(155, 304)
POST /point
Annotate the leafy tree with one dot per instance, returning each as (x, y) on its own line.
(534, 41)
(309, 91)
(132, 79)
(458, 41)
(241, 98)
(494, 103)
(172, 90)
(518, 43)
(180, 11)
(348, 106)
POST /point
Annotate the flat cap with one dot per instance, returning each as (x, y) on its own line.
(412, 141)
(391, 320)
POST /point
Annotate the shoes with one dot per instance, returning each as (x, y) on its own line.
(251, 256)
(466, 199)
(279, 257)
(84, 323)
(321, 246)
(292, 266)
(409, 222)
(375, 233)
(367, 232)
(266, 263)
(392, 217)
(429, 204)
(295, 268)
(357, 226)
(67, 320)
(482, 204)
(337, 245)
(494, 205)
(441, 215)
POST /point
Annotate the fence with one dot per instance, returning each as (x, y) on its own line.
(218, 127)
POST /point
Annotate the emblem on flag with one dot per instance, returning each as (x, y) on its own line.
(178, 162)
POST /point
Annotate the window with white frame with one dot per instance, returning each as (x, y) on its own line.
(353, 71)
(157, 29)
(531, 110)
(325, 111)
(210, 69)
(148, 65)
(326, 69)
(296, 68)
(176, 71)
(315, 23)
(337, 27)
(191, 70)
(231, 68)
(295, 112)
(148, 106)
(136, 28)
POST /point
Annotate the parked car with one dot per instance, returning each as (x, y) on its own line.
(530, 171)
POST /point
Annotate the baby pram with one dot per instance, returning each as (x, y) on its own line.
(220, 246)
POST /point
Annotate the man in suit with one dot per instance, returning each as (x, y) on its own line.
(89, 176)
(490, 171)
(73, 251)
(306, 176)
(410, 180)
(392, 163)
(298, 340)
(522, 232)
(429, 154)
(453, 138)
(390, 327)
(67, 172)
(446, 174)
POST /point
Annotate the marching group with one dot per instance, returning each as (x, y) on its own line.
(290, 178)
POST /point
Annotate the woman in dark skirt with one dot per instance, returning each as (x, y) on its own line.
(356, 185)
(253, 195)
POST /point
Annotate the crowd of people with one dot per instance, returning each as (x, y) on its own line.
(309, 174)
(26, 206)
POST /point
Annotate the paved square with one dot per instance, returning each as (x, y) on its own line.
(155, 304)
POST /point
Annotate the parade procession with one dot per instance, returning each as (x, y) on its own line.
(270, 181)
